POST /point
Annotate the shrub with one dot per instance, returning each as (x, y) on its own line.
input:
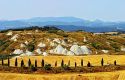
(66, 67)
(29, 63)
(102, 62)
(96, 45)
(31, 47)
(42, 63)
(32, 68)
(16, 63)
(88, 65)
(82, 62)
(47, 67)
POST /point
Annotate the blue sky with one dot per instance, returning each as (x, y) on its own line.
(111, 10)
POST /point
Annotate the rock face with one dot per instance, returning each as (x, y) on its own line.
(70, 53)
(18, 51)
(76, 49)
(122, 48)
(79, 50)
(85, 50)
(58, 50)
(42, 45)
(22, 45)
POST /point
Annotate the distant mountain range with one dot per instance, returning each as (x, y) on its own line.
(65, 23)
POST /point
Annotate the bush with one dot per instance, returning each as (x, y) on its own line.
(32, 68)
(31, 47)
(47, 67)
(96, 45)
(88, 65)
(66, 67)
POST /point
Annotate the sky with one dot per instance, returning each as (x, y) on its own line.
(107, 10)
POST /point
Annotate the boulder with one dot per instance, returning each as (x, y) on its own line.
(105, 51)
(28, 53)
(70, 53)
(9, 33)
(14, 38)
(57, 40)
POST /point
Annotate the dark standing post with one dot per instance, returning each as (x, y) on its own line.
(8, 61)
(16, 63)
(82, 62)
(102, 62)
(35, 63)
(29, 63)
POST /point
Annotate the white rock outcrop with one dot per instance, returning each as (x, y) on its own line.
(26, 42)
(79, 50)
(76, 49)
(38, 51)
(45, 54)
(42, 45)
(85, 50)
(57, 40)
(18, 51)
(53, 44)
(14, 38)
(22, 45)
(58, 50)
(122, 48)
(105, 51)
(70, 53)
(9, 33)
(28, 53)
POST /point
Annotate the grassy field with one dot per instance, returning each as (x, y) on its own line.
(118, 75)
(95, 60)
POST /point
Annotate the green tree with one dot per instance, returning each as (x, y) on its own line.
(69, 63)
(115, 63)
(8, 61)
(22, 63)
(75, 64)
(42, 63)
(88, 65)
(35, 63)
(102, 62)
(16, 63)
(82, 62)
(62, 63)
(2, 62)
(29, 63)
(56, 64)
